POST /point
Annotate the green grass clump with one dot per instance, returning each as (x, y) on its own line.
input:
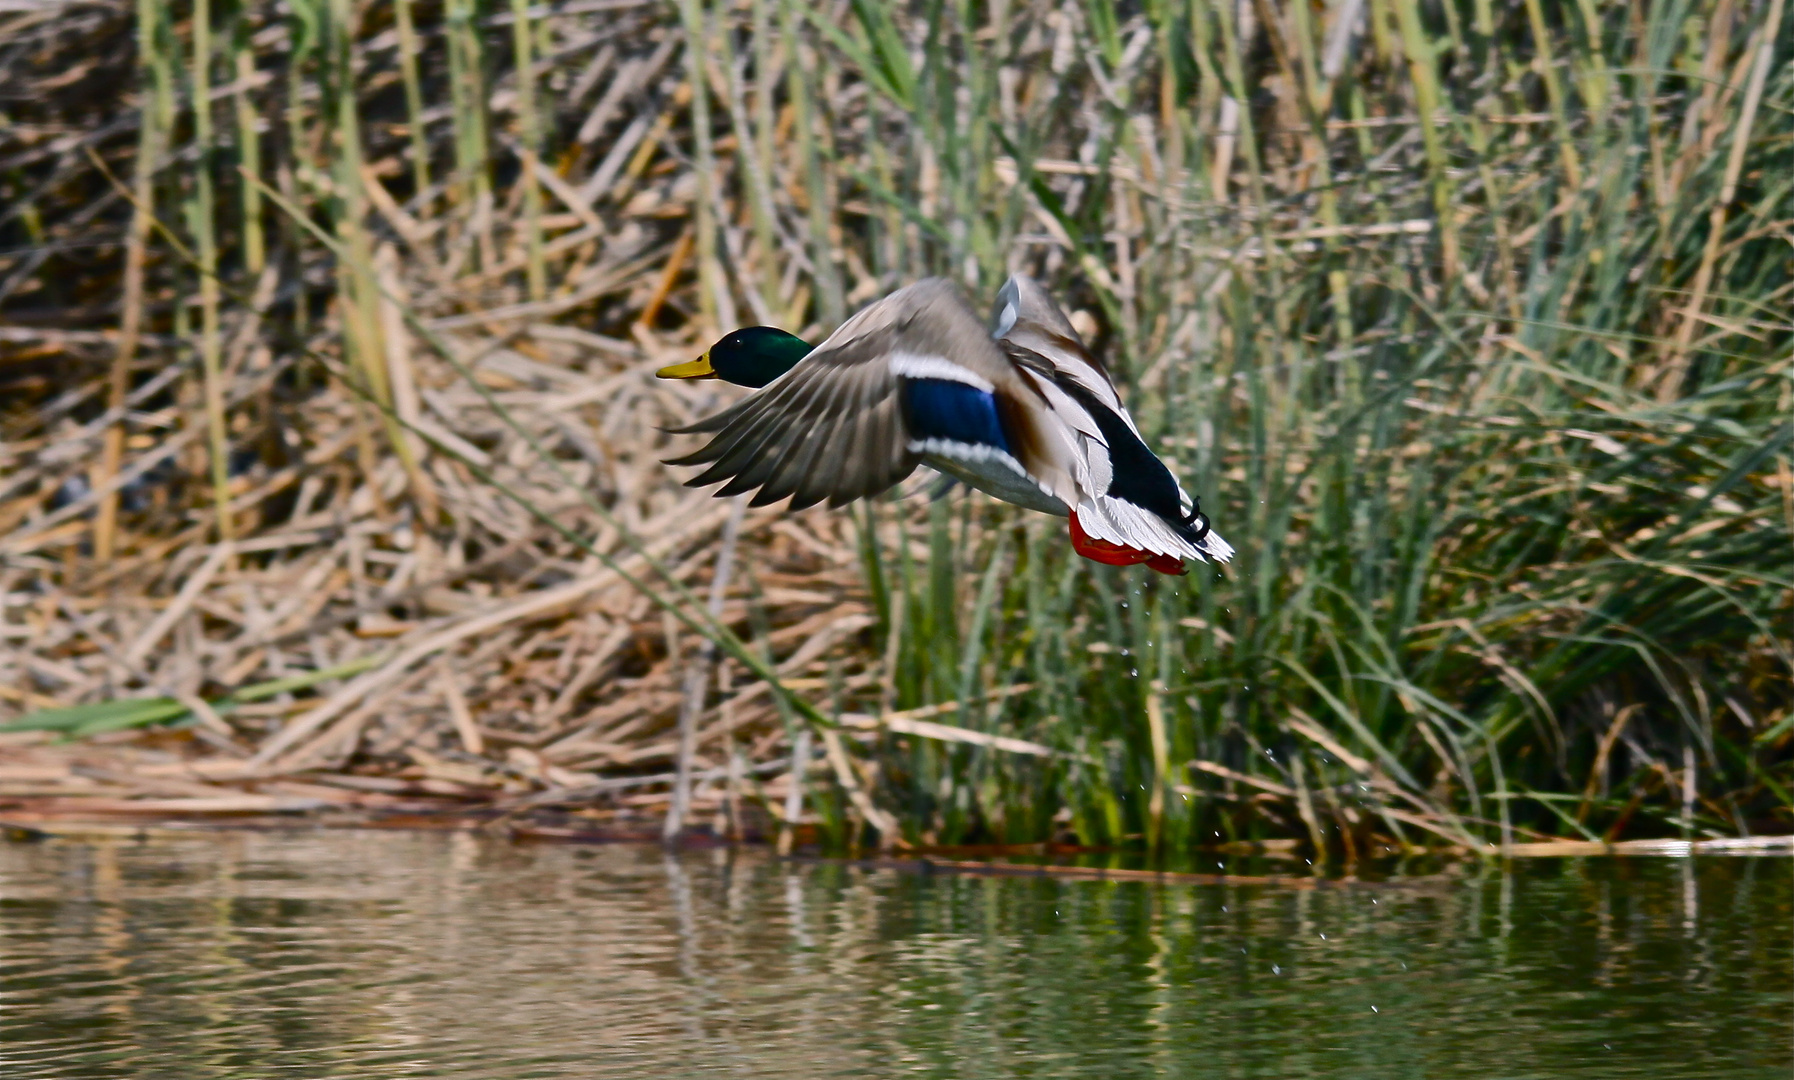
(1495, 410)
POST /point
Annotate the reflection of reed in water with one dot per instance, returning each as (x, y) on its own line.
(375, 955)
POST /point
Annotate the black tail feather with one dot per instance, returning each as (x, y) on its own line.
(1195, 523)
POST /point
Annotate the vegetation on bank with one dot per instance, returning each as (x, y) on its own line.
(1467, 322)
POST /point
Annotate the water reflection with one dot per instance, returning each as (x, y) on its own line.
(375, 955)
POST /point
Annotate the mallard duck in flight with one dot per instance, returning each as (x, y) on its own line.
(1023, 412)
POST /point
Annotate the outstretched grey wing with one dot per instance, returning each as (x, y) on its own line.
(831, 428)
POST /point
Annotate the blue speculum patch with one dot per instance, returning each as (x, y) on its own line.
(944, 409)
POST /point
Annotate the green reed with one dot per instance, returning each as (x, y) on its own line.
(1471, 534)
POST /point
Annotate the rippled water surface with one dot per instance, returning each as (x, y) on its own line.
(372, 955)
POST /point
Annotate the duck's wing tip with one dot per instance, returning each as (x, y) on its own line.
(1022, 304)
(1214, 548)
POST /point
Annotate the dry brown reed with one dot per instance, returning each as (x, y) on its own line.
(338, 541)
(256, 498)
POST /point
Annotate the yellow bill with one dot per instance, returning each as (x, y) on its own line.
(691, 369)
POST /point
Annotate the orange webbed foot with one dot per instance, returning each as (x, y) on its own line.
(1113, 554)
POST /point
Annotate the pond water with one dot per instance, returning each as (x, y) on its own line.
(375, 954)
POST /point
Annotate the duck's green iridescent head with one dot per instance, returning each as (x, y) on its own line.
(752, 356)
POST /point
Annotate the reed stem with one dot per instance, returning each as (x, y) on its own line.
(143, 171)
(831, 305)
(249, 156)
(202, 217)
(697, 51)
(414, 102)
(531, 136)
(1423, 69)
